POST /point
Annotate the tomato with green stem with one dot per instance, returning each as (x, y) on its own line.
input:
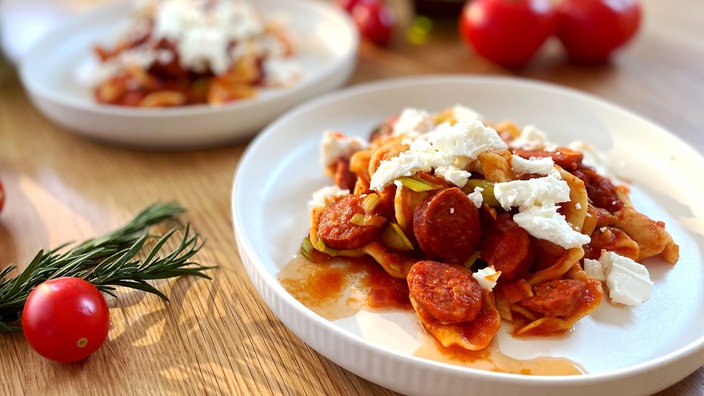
(65, 319)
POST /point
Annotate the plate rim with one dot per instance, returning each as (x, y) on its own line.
(693, 350)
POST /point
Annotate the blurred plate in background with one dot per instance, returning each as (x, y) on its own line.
(55, 70)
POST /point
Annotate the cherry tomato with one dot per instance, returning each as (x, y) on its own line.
(375, 20)
(65, 319)
(507, 32)
(591, 30)
(2, 196)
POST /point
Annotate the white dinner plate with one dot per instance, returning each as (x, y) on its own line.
(625, 350)
(56, 70)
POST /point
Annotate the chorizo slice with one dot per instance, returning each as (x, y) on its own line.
(559, 298)
(336, 229)
(447, 227)
(508, 248)
(447, 292)
(343, 177)
(601, 191)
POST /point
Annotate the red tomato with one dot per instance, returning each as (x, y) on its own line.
(375, 20)
(507, 32)
(591, 30)
(65, 319)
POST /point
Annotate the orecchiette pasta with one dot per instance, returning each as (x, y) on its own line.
(482, 224)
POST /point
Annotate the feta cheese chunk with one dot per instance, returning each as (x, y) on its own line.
(202, 33)
(326, 196)
(464, 113)
(413, 122)
(538, 166)
(628, 281)
(465, 138)
(421, 156)
(530, 138)
(335, 145)
(524, 194)
(536, 200)
(594, 269)
(544, 222)
(439, 148)
(487, 277)
(476, 197)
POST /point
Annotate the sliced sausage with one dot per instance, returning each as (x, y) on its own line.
(558, 297)
(447, 292)
(447, 226)
(507, 247)
(600, 190)
(343, 177)
(336, 229)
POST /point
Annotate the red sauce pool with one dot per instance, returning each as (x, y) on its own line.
(338, 289)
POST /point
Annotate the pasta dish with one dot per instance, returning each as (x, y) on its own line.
(485, 223)
(184, 52)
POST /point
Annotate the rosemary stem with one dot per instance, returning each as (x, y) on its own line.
(108, 261)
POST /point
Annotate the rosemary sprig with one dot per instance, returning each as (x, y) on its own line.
(107, 261)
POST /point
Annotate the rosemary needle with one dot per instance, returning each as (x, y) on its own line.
(108, 261)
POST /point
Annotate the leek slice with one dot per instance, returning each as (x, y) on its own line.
(394, 237)
(417, 184)
(370, 202)
(365, 219)
(487, 190)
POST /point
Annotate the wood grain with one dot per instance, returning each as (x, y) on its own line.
(217, 336)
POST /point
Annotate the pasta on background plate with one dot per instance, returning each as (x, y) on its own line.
(484, 223)
(184, 52)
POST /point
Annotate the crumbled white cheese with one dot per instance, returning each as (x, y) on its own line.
(628, 281)
(326, 196)
(476, 197)
(487, 277)
(335, 145)
(464, 113)
(537, 201)
(439, 148)
(538, 166)
(594, 269)
(544, 222)
(453, 174)
(208, 35)
(465, 138)
(413, 122)
(421, 156)
(204, 48)
(530, 138)
(524, 194)
(281, 72)
(202, 30)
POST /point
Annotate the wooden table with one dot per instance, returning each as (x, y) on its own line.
(217, 336)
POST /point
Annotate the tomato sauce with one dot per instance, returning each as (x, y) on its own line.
(337, 289)
(492, 359)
